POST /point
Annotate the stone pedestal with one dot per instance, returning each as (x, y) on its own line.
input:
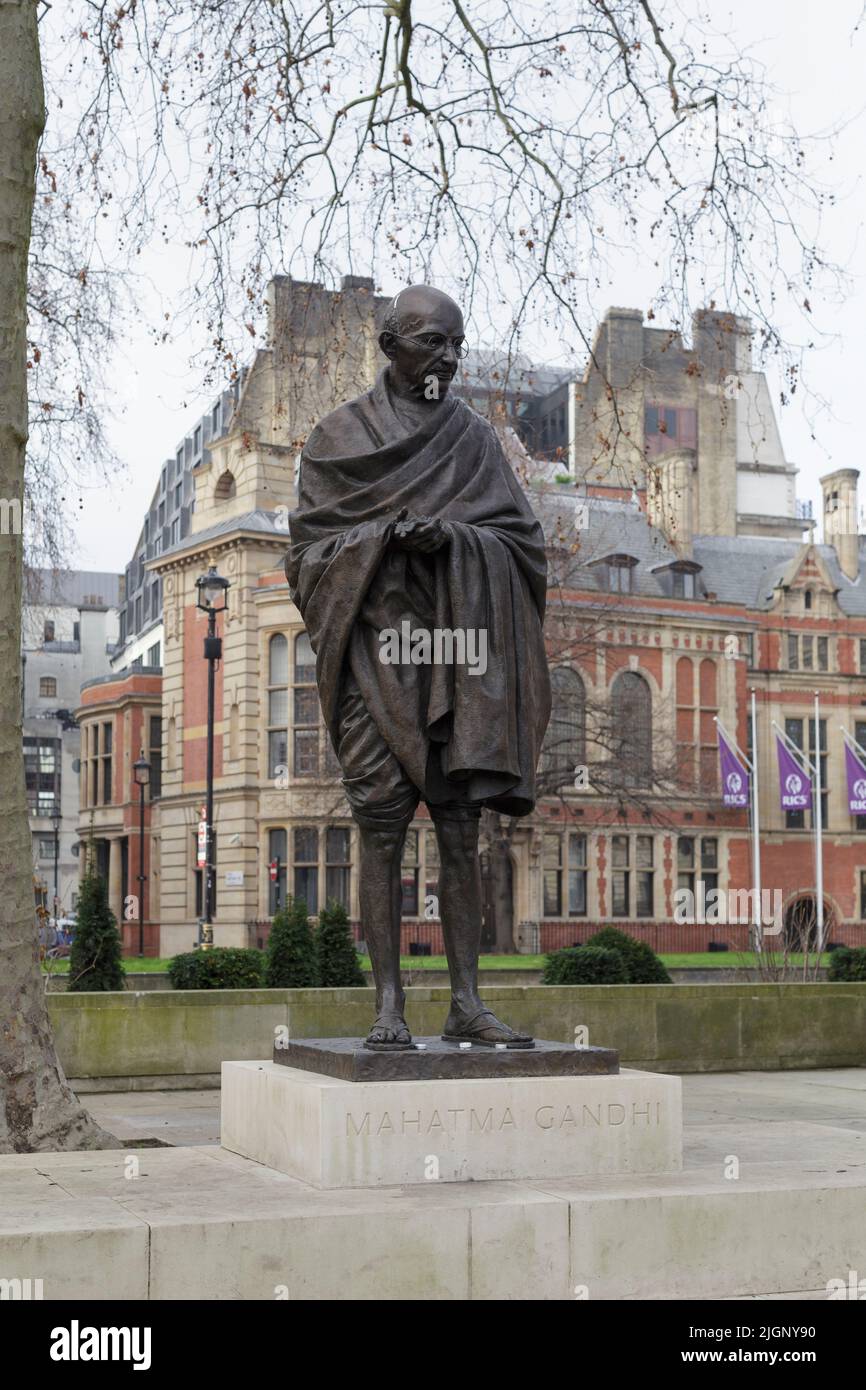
(433, 1059)
(337, 1133)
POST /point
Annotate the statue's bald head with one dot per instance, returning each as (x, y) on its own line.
(422, 335)
(413, 306)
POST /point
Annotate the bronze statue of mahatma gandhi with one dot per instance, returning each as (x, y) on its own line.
(410, 520)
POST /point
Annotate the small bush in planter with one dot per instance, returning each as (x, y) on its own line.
(584, 965)
(847, 963)
(95, 956)
(642, 965)
(223, 967)
(291, 950)
(337, 959)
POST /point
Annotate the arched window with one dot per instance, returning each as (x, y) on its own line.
(807, 598)
(295, 680)
(225, 487)
(305, 660)
(685, 723)
(565, 740)
(632, 728)
(278, 705)
(306, 709)
(708, 682)
(278, 653)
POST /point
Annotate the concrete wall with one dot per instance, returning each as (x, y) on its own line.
(186, 1035)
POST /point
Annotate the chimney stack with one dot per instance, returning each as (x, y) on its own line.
(841, 529)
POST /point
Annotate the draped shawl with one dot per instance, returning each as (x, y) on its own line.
(359, 468)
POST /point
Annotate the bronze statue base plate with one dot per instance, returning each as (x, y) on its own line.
(432, 1059)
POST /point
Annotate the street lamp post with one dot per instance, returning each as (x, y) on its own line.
(56, 821)
(212, 599)
(141, 773)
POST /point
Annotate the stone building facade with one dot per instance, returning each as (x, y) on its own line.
(165, 523)
(684, 574)
(69, 632)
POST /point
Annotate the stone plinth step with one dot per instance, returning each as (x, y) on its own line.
(432, 1059)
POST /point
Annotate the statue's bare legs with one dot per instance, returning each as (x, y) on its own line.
(460, 910)
(381, 899)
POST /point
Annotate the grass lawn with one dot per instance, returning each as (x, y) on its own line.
(713, 960)
(720, 959)
(484, 963)
(133, 964)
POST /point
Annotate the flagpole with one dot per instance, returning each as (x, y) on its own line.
(756, 843)
(849, 738)
(798, 755)
(729, 739)
(751, 766)
(806, 766)
(819, 841)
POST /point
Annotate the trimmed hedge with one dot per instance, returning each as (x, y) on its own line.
(296, 957)
(642, 965)
(590, 964)
(584, 965)
(848, 964)
(223, 967)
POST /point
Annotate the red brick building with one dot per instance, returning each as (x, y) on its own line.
(120, 718)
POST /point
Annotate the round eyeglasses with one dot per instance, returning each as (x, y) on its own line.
(435, 342)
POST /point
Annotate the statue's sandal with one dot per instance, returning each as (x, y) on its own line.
(471, 1030)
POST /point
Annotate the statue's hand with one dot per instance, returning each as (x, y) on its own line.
(422, 533)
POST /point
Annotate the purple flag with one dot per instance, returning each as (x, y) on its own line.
(795, 788)
(856, 775)
(735, 778)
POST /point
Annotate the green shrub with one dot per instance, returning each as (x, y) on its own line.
(223, 967)
(847, 963)
(584, 965)
(95, 955)
(642, 965)
(337, 959)
(291, 950)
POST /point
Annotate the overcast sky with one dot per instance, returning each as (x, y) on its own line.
(815, 60)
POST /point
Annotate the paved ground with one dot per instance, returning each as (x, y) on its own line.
(202, 1222)
(172, 1117)
(814, 1119)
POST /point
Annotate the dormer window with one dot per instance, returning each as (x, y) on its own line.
(683, 583)
(615, 573)
(807, 598)
(680, 578)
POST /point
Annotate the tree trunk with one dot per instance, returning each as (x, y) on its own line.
(37, 1108)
